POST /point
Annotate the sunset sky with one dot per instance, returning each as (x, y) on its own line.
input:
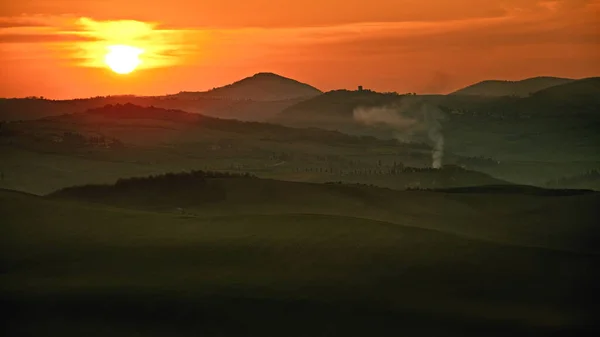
(56, 48)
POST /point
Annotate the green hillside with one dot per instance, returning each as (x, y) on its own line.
(512, 215)
(71, 268)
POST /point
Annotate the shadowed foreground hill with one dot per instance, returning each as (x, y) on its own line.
(97, 270)
(516, 216)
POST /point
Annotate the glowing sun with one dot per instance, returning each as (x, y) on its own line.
(123, 59)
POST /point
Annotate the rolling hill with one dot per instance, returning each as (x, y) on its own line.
(216, 194)
(334, 110)
(577, 97)
(259, 87)
(338, 103)
(251, 260)
(521, 88)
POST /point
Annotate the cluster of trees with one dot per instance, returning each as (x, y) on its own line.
(477, 161)
(349, 184)
(182, 178)
(175, 183)
(75, 139)
(379, 170)
(581, 179)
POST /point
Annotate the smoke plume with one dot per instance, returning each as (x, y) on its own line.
(387, 115)
(406, 117)
(433, 116)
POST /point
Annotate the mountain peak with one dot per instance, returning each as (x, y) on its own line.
(267, 75)
(262, 86)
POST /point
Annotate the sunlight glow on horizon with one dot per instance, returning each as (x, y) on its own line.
(429, 46)
(123, 59)
(160, 47)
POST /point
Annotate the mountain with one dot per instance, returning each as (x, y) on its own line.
(580, 97)
(521, 88)
(584, 89)
(260, 87)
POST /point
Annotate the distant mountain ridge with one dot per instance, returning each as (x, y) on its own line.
(586, 87)
(259, 87)
(523, 88)
(254, 98)
(576, 97)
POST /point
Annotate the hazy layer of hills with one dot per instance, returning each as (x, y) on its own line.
(264, 95)
(521, 88)
(258, 97)
(551, 134)
(573, 96)
(115, 141)
(259, 87)
(33, 108)
(556, 129)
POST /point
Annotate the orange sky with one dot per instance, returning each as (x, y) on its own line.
(54, 48)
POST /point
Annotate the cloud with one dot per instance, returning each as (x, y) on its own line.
(85, 41)
(43, 38)
(18, 23)
(37, 29)
(162, 47)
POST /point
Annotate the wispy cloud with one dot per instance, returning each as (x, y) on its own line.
(85, 41)
(162, 47)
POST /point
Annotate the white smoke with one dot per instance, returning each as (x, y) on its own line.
(387, 115)
(408, 116)
(433, 117)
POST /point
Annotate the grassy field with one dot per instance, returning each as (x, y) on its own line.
(514, 218)
(269, 258)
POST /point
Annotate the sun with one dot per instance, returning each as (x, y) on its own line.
(123, 59)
